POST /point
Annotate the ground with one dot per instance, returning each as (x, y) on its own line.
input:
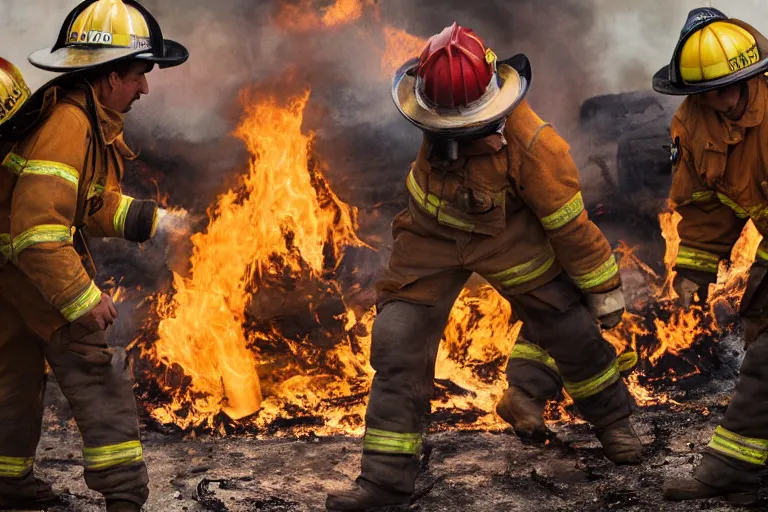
(464, 471)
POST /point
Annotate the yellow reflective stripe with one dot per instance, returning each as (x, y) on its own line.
(747, 449)
(532, 352)
(738, 210)
(695, 259)
(564, 215)
(14, 162)
(601, 274)
(44, 233)
(376, 440)
(433, 205)
(594, 385)
(5, 245)
(762, 252)
(703, 197)
(525, 272)
(627, 361)
(121, 214)
(48, 168)
(15, 467)
(112, 455)
(82, 304)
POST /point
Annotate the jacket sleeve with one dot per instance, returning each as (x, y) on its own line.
(708, 228)
(549, 185)
(122, 216)
(43, 210)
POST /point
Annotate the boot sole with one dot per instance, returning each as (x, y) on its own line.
(742, 499)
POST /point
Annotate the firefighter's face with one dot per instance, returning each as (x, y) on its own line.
(126, 88)
(731, 101)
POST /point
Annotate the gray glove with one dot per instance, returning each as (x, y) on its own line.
(607, 308)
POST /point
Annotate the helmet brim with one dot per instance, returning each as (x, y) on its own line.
(74, 58)
(662, 83)
(515, 75)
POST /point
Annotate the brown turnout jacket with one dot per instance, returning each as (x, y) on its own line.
(516, 198)
(720, 179)
(63, 175)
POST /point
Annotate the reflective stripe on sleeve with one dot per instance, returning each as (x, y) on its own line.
(565, 214)
(45, 233)
(600, 275)
(83, 303)
(121, 214)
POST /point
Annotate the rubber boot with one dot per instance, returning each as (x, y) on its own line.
(27, 493)
(122, 506)
(385, 481)
(525, 414)
(620, 443)
(717, 476)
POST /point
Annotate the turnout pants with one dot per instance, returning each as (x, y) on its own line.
(94, 382)
(561, 344)
(739, 448)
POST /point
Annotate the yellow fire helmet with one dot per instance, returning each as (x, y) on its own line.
(98, 32)
(14, 92)
(713, 51)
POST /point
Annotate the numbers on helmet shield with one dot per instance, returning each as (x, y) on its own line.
(97, 37)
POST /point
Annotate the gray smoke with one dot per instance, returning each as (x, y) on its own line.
(578, 49)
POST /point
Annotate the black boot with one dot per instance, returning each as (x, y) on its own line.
(717, 476)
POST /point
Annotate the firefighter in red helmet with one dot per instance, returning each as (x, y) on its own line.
(494, 191)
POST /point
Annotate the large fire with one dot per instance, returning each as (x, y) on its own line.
(272, 248)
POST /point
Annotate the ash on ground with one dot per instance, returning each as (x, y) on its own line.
(462, 470)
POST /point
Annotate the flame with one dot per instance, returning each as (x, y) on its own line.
(282, 216)
(400, 46)
(342, 12)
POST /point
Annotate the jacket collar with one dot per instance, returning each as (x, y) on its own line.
(724, 131)
(110, 122)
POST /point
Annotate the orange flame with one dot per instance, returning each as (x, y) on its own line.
(400, 47)
(276, 214)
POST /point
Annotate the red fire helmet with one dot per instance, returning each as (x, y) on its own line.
(455, 69)
(457, 87)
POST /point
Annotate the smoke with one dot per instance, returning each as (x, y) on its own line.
(578, 48)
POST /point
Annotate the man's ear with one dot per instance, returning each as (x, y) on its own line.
(113, 78)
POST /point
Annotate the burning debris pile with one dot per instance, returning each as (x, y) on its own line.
(217, 351)
(262, 335)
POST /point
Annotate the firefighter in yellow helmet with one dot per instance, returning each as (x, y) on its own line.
(720, 157)
(62, 158)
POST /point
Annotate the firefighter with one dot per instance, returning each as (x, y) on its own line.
(719, 136)
(62, 162)
(494, 191)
